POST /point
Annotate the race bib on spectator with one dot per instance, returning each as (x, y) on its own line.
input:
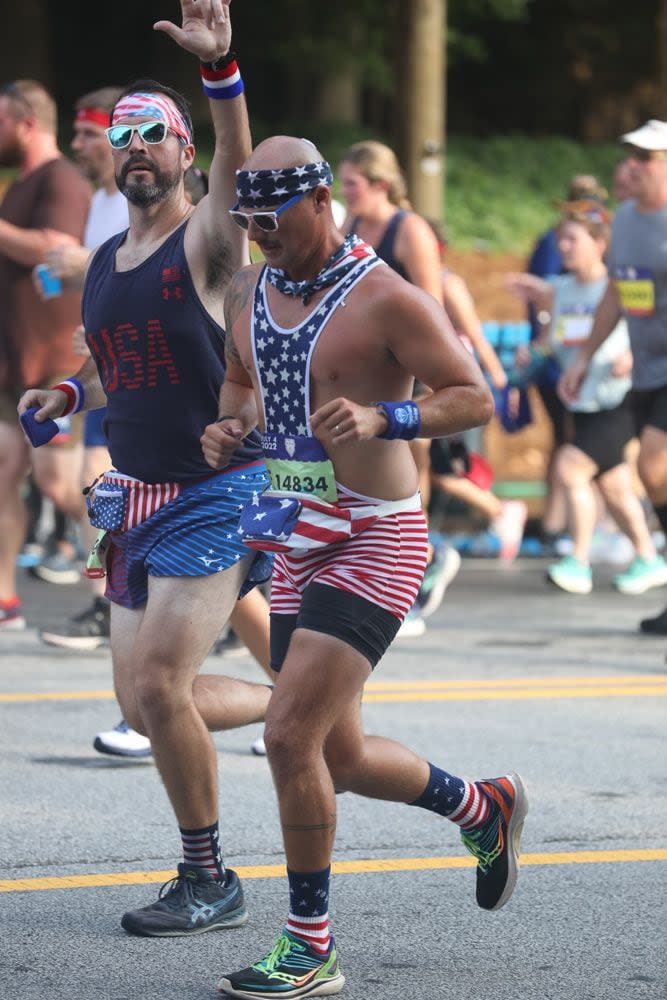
(573, 329)
(636, 290)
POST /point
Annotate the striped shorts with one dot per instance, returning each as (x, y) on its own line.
(196, 534)
(384, 565)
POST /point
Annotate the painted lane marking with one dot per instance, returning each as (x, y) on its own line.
(366, 866)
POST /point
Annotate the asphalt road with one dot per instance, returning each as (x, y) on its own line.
(511, 675)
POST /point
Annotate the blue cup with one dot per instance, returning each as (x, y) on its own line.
(51, 286)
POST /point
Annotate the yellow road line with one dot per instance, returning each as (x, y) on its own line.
(366, 866)
(457, 690)
(519, 695)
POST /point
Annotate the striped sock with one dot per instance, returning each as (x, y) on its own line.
(461, 801)
(309, 908)
(202, 848)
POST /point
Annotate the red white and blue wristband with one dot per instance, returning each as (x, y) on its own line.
(222, 79)
(76, 397)
(403, 420)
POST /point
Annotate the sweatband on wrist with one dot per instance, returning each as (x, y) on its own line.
(76, 397)
(403, 420)
(222, 79)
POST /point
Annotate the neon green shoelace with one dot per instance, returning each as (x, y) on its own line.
(280, 950)
(476, 842)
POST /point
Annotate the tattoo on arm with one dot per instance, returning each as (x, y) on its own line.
(232, 356)
(238, 295)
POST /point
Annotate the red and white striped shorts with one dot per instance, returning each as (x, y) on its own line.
(384, 564)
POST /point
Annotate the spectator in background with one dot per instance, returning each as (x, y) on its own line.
(603, 423)
(637, 261)
(545, 262)
(46, 204)
(378, 211)
(107, 216)
(450, 461)
(624, 180)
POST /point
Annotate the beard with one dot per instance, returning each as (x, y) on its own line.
(11, 154)
(144, 193)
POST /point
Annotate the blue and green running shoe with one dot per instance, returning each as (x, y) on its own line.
(291, 969)
(495, 844)
(190, 903)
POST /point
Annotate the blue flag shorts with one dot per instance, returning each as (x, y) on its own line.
(195, 534)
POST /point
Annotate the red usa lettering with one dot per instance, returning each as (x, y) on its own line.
(131, 360)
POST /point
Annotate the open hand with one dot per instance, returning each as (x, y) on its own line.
(206, 29)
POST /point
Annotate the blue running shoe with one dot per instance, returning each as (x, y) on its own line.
(190, 903)
(291, 969)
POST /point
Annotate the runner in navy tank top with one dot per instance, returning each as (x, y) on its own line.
(328, 341)
(175, 563)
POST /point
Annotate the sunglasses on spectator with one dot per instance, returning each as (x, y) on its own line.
(120, 136)
(645, 155)
(266, 221)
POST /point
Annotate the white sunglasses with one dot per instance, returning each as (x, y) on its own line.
(266, 221)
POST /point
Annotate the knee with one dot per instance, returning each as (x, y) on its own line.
(289, 747)
(343, 768)
(156, 696)
(567, 470)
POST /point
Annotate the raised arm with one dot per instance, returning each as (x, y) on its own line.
(206, 32)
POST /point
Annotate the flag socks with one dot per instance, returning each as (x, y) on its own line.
(309, 908)
(202, 848)
(459, 800)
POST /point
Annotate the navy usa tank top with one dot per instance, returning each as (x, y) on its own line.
(160, 357)
(385, 248)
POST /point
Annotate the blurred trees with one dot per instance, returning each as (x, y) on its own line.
(587, 70)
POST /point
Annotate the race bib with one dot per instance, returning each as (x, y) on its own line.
(636, 290)
(573, 329)
(299, 465)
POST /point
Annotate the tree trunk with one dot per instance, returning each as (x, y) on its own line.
(422, 71)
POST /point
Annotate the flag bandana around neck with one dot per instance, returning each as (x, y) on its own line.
(267, 188)
(157, 106)
(339, 264)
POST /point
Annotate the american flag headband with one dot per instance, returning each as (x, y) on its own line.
(261, 188)
(157, 106)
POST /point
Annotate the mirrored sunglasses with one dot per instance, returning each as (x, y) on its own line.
(120, 136)
(266, 221)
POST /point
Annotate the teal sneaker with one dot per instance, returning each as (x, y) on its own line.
(571, 575)
(291, 969)
(641, 575)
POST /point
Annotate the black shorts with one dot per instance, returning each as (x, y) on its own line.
(649, 408)
(603, 435)
(362, 624)
(561, 420)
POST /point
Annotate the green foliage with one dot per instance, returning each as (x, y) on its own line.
(500, 191)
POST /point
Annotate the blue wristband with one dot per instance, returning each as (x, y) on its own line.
(403, 420)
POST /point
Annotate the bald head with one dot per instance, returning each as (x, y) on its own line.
(282, 151)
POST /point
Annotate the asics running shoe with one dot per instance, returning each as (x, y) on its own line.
(495, 844)
(190, 903)
(291, 969)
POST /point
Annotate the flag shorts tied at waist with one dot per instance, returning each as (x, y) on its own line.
(121, 502)
(276, 521)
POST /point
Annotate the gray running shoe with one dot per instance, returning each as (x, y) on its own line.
(190, 903)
